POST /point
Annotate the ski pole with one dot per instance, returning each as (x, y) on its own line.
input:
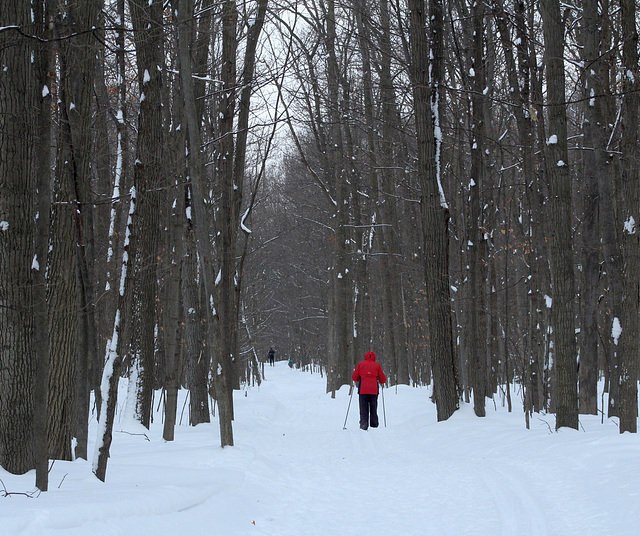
(344, 427)
(384, 413)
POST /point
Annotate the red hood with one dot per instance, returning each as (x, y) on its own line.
(370, 356)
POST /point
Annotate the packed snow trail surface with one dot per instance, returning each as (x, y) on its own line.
(294, 471)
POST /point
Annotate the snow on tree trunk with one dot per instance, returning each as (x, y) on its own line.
(113, 360)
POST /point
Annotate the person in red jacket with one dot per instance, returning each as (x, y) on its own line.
(368, 375)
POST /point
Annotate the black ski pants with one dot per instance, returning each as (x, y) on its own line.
(368, 411)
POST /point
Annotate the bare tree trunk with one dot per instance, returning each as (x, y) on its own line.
(352, 178)
(77, 58)
(435, 212)
(62, 295)
(628, 221)
(226, 311)
(563, 292)
(19, 103)
(476, 330)
(197, 354)
(148, 177)
(596, 164)
(609, 238)
(174, 253)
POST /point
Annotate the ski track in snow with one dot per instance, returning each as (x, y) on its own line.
(295, 471)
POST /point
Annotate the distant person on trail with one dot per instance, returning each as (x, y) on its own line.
(368, 375)
(272, 357)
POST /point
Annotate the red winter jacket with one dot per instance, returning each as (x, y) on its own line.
(370, 373)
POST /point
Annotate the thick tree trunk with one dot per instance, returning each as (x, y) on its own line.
(596, 164)
(77, 59)
(19, 103)
(149, 177)
(197, 354)
(71, 290)
(226, 311)
(355, 347)
(628, 221)
(435, 212)
(63, 299)
(560, 215)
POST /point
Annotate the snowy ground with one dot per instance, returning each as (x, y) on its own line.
(295, 471)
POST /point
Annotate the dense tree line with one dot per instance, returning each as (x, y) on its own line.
(184, 184)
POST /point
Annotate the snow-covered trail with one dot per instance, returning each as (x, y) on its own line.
(416, 476)
(398, 479)
(295, 471)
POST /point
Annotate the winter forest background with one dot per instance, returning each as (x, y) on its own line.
(184, 184)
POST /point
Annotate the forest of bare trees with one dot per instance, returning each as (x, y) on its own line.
(184, 184)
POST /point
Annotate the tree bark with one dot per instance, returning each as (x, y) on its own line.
(149, 177)
(77, 59)
(174, 253)
(628, 222)
(435, 212)
(19, 103)
(560, 207)
(596, 164)
(63, 299)
(197, 353)
(476, 329)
